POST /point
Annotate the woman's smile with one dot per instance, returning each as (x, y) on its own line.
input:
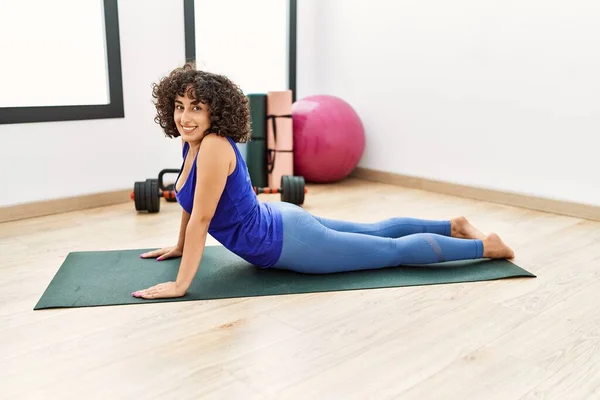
(188, 129)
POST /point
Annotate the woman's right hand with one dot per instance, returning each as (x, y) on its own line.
(164, 253)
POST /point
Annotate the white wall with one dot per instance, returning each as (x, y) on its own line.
(40, 161)
(311, 25)
(502, 95)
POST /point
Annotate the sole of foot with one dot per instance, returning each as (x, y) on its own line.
(494, 247)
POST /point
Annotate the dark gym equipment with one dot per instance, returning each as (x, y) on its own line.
(257, 147)
(292, 189)
(146, 195)
(161, 184)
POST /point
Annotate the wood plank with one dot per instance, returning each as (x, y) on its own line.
(488, 375)
(562, 336)
(402, 356)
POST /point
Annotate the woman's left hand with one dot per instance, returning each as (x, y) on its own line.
(160, 291)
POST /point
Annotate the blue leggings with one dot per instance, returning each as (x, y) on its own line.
(317, 245)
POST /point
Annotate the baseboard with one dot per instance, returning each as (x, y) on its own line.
(48, 207)
(572, 209)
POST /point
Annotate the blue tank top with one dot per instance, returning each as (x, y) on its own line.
(246, 227)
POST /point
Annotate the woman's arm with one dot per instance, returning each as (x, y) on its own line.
(185, 218)
(212, 168)
(177, 250)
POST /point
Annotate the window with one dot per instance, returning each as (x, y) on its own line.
(61, 61)
(255, 46)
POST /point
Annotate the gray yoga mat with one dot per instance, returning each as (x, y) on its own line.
(101, 278)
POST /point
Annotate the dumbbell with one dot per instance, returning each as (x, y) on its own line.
(146, 195)
(168, 188)
(292, 189)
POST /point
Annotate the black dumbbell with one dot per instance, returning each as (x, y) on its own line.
(146, 195)
(292, 189)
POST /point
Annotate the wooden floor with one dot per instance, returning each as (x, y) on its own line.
(508, 339)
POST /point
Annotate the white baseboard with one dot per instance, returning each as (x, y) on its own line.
(586, 211)
(48, 207)
(572, 209)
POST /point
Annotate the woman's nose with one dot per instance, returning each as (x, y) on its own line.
(184, 118)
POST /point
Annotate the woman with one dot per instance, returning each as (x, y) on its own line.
(211, 114)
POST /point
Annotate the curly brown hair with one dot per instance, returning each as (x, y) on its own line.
(228, 106)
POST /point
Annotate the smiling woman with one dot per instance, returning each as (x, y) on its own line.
(211, 114)
(185, 86)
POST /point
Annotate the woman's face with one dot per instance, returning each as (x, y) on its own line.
(192, 118)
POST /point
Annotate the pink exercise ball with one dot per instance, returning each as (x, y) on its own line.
(329, 138)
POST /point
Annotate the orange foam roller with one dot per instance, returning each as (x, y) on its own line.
(280, 139)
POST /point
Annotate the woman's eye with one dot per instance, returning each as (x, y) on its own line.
(179, 107)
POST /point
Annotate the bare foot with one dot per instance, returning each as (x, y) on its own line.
(462, 228)
(494, 247)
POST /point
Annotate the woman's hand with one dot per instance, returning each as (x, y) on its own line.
(164, 253)
(160, 291)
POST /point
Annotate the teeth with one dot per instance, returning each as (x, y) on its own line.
(187, 128)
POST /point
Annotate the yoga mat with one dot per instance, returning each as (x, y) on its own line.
(256, 149)
(101, 278)
(280, 140)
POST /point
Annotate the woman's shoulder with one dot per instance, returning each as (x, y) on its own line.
(218, 148)
(215, 142)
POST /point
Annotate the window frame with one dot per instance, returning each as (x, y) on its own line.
(115, 107)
